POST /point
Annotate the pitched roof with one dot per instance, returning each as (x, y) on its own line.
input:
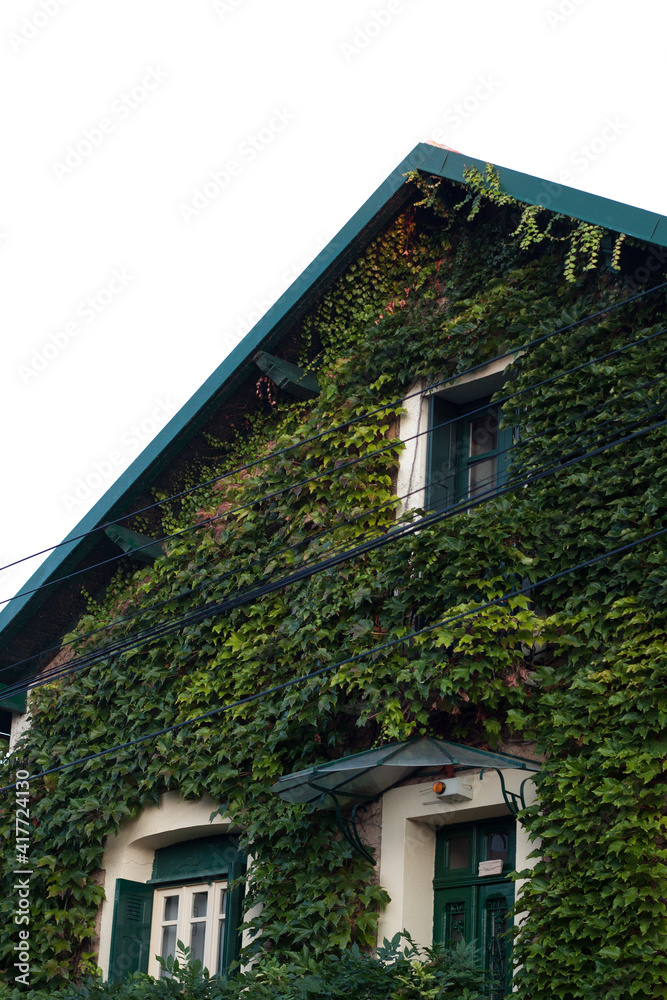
(50, 620)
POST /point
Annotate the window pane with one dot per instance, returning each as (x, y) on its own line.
(483, 434)
(168, 941)
(482, 477)
(171, 908)
(459, 852)
(497, 847)
(199, 904)
(223, 902)
(197, 940)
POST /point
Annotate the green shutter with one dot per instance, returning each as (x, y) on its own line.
(232, 942)
(131, 931)
(505, 441)
(441, 455)
(190, 860)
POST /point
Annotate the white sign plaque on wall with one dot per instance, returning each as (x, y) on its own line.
(490, 868)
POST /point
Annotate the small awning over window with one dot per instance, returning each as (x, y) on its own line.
(363, 777)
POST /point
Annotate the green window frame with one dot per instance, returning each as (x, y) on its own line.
(468, 451)
(205, 861)
(469, 906)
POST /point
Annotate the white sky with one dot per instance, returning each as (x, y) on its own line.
(156, 94)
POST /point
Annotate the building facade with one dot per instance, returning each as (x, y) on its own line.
(422, 499)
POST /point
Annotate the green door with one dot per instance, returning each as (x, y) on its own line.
(469, 906)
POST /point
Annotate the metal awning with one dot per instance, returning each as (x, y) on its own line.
(365, 776)
(362, 778)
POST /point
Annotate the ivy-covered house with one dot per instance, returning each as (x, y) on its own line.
(378, 620)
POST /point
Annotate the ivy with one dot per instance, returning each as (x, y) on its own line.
(579, 668)
(536, 223)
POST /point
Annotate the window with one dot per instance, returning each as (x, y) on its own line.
(472, 898)
(194, 914)
(188, 899)
(468, 452)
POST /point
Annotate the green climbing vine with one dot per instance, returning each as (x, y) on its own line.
(536, 222)
(578, 666)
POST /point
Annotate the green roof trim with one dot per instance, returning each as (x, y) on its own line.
(556, 197)
(364, 225)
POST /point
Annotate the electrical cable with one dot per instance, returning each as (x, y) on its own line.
(271, 556)
(338, 427)
(56, 673)
(208, 611)
(327, 472)
(351, 659)
(150, 632)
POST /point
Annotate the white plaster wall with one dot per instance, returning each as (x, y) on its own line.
(412, 467)
(411, 816)
(130, 853)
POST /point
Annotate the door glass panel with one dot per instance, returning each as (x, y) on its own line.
(455, 921)
(199, 904)
(171, 908)
(459, 853)
(497, 847)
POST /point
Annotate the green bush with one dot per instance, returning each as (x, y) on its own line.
(398, 973)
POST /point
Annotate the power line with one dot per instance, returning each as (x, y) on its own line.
(259, 591)
(249, 592)
(154, 631)
(332, 430)
(351, 659)
(328, 472)
(646, 409)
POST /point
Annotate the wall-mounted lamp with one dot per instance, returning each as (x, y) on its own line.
(453, 789)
